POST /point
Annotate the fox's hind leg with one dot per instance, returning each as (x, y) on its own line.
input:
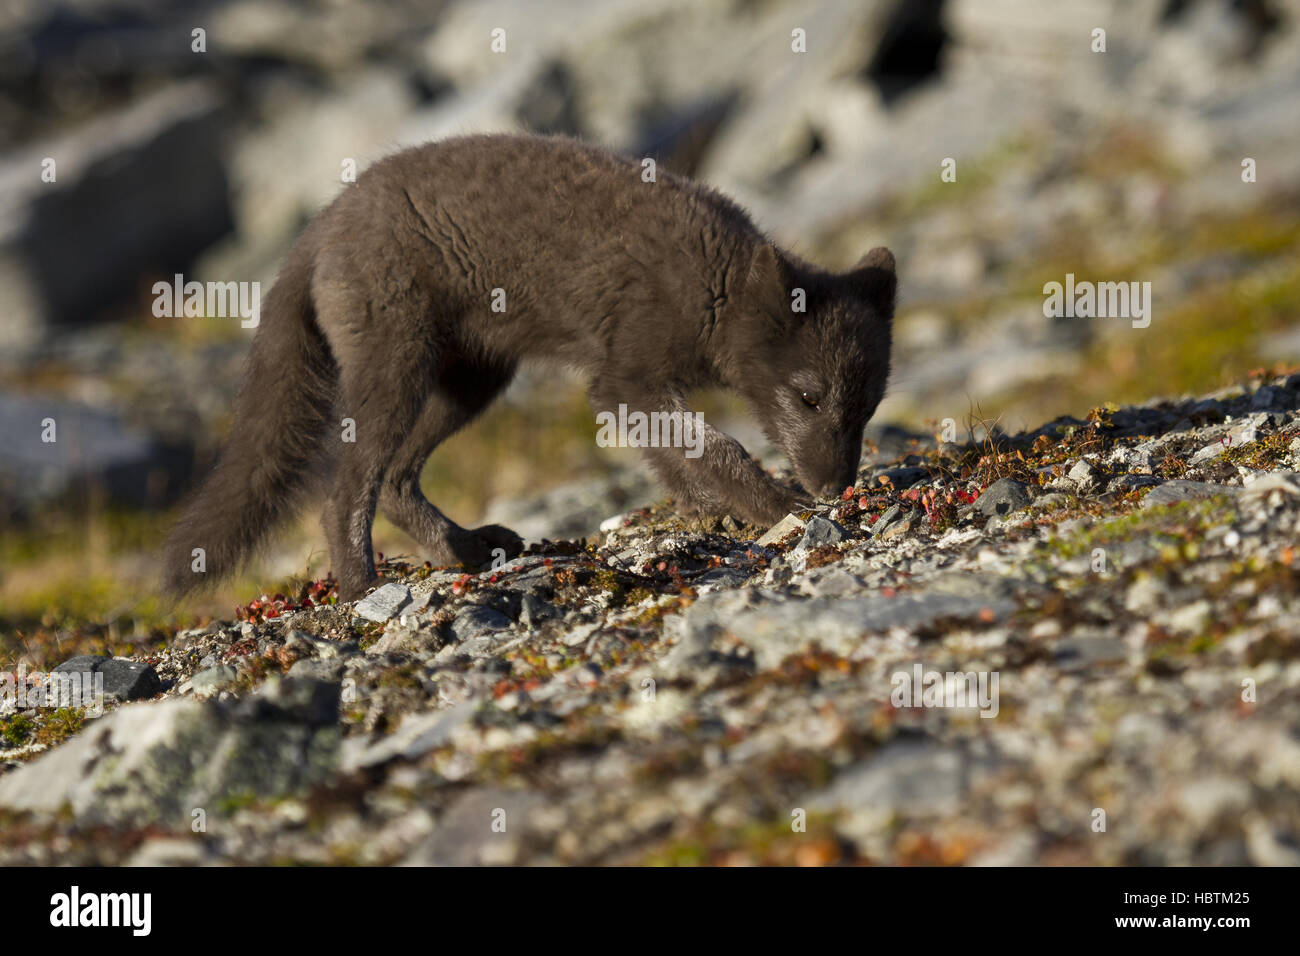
(379, 403)
(461, 392)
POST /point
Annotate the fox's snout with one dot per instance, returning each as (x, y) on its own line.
(826, 472)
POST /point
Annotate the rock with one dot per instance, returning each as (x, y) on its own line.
(156, 163)
(1084, 475)
(123, 679)
(324, 671)
(885, 520)
(417, 735)
(168, 851)
(534, 610)
(820, 533)
(478, 621)
(213, 680)
(383, 603)
(175, 756)
(902, 478)
(399, 639)
(1269, 396)
(723, 578)
(1084, 652)
(1004, 496)
(1124, 483)
(1172, 492)
(92, 447)
(1284, 484)
(1052, 501)
(613, 523)
(776, 628)
(1189, 618)
(485, 826)
(781, 530)
(923, 777)
(899, 527)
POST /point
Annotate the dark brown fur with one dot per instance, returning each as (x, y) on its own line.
(382, 314)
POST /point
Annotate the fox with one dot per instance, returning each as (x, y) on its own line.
(406, 306)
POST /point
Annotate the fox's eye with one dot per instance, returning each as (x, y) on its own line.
(811, 399)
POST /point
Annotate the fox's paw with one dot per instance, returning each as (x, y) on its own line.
(499, 537)
(479, 547)
(772, 508)
(356, 587)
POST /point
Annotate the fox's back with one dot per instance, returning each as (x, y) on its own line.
(560, 233)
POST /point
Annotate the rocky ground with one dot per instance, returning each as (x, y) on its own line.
(1121, 592)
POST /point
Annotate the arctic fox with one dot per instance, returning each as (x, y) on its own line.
(406, 306)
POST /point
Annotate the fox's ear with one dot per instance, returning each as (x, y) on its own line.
(876, 279)
(767, 285)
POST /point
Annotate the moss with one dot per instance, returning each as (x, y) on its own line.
(1173, 527)
(16, 730)
(1264, 454)
(61, 724)
(233, 802)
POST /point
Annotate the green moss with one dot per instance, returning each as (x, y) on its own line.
(16, 730)
(1264, 454)
(1173, 528)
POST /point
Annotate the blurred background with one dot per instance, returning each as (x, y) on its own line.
(205, 153)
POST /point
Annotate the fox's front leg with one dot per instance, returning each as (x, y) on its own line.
(708, 470)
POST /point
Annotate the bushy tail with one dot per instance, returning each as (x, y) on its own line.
(281, 418)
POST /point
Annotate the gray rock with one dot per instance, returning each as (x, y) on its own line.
(533, 610)
(885, 520)
(1051, 501)
(774, 627)
(1282, 483)
(158, 762)
(478, 621)
(417, 735)
(326, 671)
(484, 826)
(916, 776)
(383, 603)
(1084, 652)
(1003, 497)
(819, 533)
(157, 163)
(213, 680)
(92, 446)
(781, 530)
(1270, 396)
(123, 679)
(903, 478)
(1123, 483)
(1172, 492)
(1085, 477)
(723, 578)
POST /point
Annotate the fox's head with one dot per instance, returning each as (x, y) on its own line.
(818, 360)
